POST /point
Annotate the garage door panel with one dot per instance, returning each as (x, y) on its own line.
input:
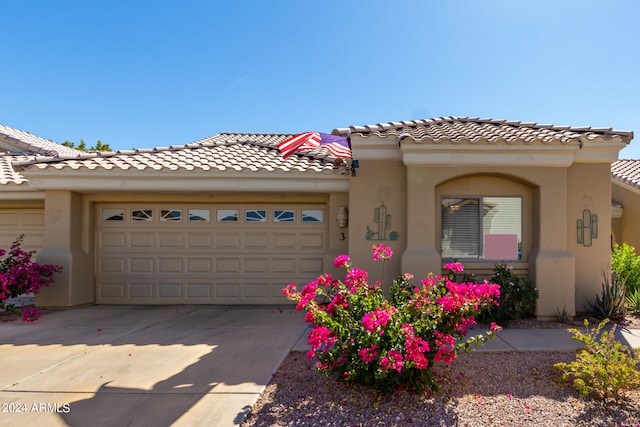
(199, 265)
(113, 290)
(231, 265)
(29, 222)
(170, 240)
(112, 265)
(199, 241)
(255, 241)
(142, 265)
(256, 265)
(141, 290)
(31, 218)
(256, 290)
(284, 265)
(170, 265)
(227, 290)
(9, 218)
(170, 290)
(199, 290)
(142, 240)
(227, 240)
(113, 239)
(311, 265)
(216, 261)
(285, 241)
(313, 241)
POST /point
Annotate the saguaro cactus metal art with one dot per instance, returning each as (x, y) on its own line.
(587, 228)
(383, 221)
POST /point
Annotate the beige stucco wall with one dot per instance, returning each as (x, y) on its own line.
(555, 188)
(627, 228)
(63, 246)
(589, 187)
(377, 182)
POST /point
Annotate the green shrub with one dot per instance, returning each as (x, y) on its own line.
(610, 304)
(518, 297)
(604, 368)
(633, 301)
(626, 263)
(563, 316)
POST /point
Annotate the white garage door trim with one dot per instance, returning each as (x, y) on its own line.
(180, 253)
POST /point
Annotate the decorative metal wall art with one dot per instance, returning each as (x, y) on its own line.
(383, 223)
(587, 228)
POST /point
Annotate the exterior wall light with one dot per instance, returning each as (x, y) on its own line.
(342, 218)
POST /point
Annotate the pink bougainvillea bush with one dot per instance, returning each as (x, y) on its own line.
(20, 275)
(393, 343)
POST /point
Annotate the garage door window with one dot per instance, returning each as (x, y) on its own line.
(255, 215)
(227, 215)
(170, 215)
(112, 214)
(199, 215)
(284, 216)
(312, 216)
(142, 215)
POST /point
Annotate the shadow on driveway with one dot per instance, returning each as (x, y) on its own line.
(156, 366)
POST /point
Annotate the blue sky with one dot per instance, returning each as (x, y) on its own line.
(158, 73)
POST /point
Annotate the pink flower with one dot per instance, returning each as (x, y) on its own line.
(289, 290)
(381, 252)
(454, 266)
(30, 315)
(356, 279)
(377, 318)
(368, 355)
(341, 261)
(340, 300)
(393, 360)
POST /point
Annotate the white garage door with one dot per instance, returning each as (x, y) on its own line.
(29, 222)
(205, 254)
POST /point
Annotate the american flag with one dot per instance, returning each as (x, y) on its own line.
(338, 146)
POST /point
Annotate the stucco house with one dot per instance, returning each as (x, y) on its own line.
(227, 220)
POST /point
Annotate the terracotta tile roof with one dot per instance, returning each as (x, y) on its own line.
(25, 142)
(242, 152)
(7, 174)
(478, 131)
(627, 171)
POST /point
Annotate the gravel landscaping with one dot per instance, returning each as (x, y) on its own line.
(478, 389)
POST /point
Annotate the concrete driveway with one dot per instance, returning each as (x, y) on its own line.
(142, 365)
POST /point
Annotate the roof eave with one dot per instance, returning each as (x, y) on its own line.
(186, 181)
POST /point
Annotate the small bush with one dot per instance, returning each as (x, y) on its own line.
(20, 275)
(386, 344)
(563, 316)
(633, 301)
(610, 304)
(604, 368)
(518, 297)
(626, 264)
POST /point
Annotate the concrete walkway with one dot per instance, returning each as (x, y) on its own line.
(167, 366)
(142, 366)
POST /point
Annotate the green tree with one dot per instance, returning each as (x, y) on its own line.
(82, 146)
